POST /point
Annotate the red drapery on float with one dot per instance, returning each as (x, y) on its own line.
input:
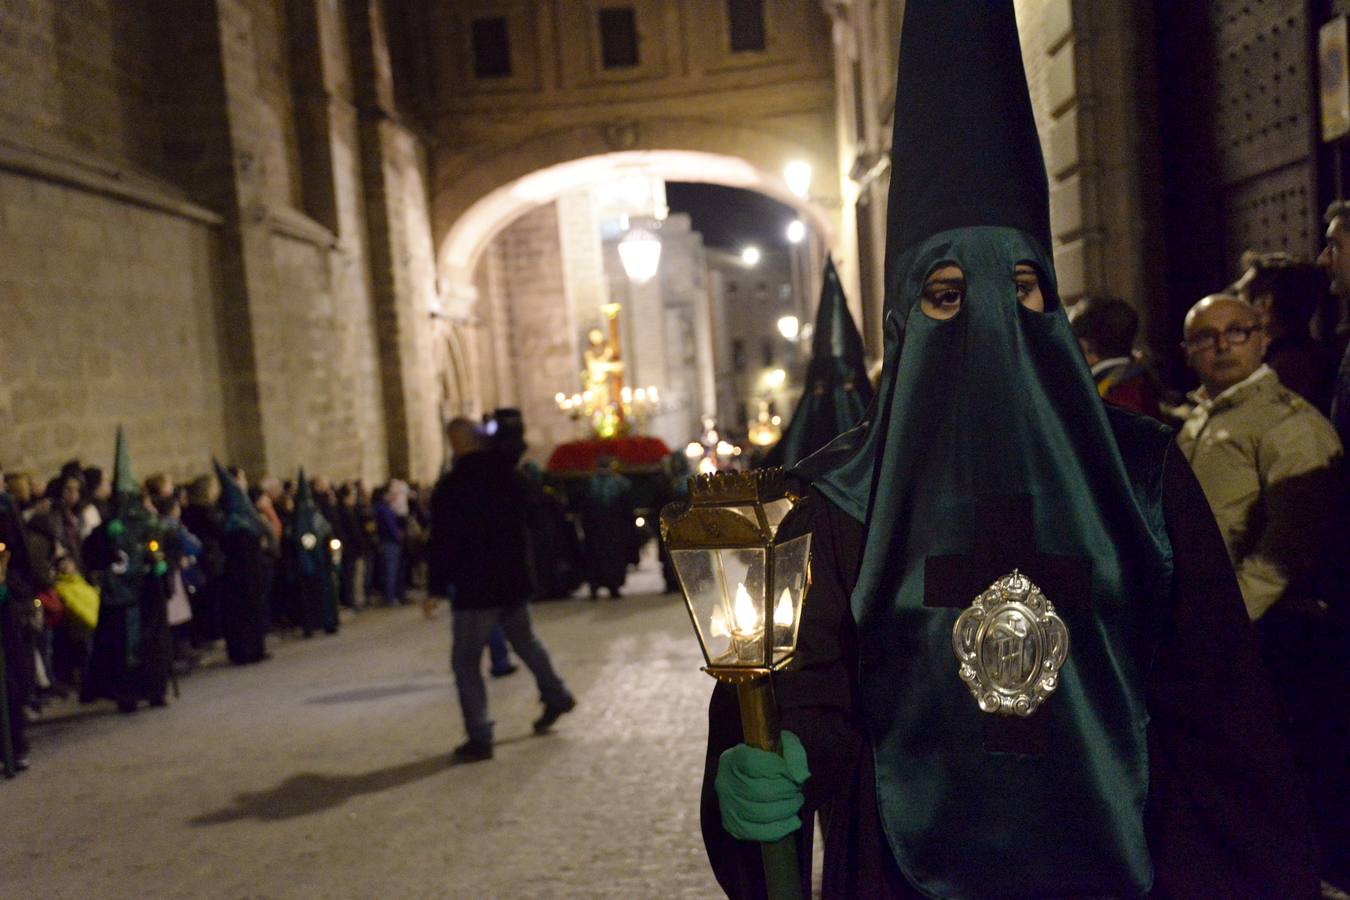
(580, 456)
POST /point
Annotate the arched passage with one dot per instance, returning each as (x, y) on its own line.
(470, 210)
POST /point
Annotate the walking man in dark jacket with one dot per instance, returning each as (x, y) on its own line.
(478, 554)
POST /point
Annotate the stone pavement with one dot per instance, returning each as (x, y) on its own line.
(324, 773)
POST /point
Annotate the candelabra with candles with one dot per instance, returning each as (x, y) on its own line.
(767, 428)
(611, 418)
(744, 588)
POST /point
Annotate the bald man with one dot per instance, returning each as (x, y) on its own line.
(1263, 455)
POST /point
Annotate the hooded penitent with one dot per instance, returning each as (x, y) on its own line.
(837, 390)
(240, 514)
(310, 531)
(132, 529)
(133, 535)
(989, 449)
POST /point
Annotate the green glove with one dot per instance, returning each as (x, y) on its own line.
(760, 792)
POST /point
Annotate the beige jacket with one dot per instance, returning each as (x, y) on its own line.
(1266, 460)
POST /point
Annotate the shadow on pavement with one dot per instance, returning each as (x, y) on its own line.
(374, 693)
(309, 793)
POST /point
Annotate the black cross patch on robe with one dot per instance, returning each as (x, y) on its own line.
(1006, 540)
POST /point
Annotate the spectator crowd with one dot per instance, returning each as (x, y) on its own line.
(310, 547)
(223, 562)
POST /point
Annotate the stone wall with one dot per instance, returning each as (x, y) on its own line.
(107, 317)
(539, 324)
(185, 199)
(1086, 64)
(110, 280)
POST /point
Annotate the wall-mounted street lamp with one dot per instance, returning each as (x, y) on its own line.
(790, 327)
(750, 256)
(796, 231)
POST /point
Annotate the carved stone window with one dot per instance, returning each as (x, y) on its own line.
(491, 48)
(745, 22)
(618, 37)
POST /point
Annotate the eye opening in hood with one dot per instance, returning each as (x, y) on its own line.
(944, 290)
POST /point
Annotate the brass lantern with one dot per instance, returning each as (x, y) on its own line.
(743, 587)
(744, 590)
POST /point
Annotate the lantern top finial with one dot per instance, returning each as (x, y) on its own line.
(754, 486)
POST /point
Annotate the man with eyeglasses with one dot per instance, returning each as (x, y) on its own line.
(1263, 455)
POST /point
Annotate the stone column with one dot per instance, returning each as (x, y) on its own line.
(402, 271)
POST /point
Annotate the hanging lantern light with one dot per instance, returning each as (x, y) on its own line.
(640, 253)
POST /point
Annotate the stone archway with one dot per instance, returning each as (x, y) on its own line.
(470, 210)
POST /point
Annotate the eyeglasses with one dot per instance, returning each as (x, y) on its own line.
(1208, 339)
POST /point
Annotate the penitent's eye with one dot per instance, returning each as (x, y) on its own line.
(1028, 286)
(943, 292)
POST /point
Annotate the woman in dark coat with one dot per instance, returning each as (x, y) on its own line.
(243, 581)
(203, 518)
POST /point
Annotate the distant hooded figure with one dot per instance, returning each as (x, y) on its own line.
(609, 535)
(307, 551)
(243, 583)
(1024, 668)
(132, 650)
(837, 390)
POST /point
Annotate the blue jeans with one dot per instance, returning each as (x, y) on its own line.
(470, 630)
(391, 555)
(497, 651)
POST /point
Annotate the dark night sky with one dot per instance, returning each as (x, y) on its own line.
(730, 218)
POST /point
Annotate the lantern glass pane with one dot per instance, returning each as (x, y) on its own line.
(790, 560)
(747, 512)
(725, 593)
(775, 511)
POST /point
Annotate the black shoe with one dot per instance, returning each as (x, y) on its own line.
(510, 669)
(553, 714)
(471, 752)
(126, 707)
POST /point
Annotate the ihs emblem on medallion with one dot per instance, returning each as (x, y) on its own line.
(1010, 645)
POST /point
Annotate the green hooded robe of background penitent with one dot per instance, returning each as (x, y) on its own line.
(1018, 770)
(308, 553)
(837, 391)
(130, 652)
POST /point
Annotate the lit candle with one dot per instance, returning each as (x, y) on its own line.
(747, 617)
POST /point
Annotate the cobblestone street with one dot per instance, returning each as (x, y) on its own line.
(324, 773)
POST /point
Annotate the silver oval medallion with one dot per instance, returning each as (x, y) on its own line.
(1010, 645)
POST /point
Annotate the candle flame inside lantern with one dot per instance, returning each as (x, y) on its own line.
(743, 609)
(782, 612)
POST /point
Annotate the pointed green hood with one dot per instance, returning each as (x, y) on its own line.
(126, 490)
(240, 513)
(307, 520)
(965, 150)
(131, 530)
(993, 408)
(837, 391)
